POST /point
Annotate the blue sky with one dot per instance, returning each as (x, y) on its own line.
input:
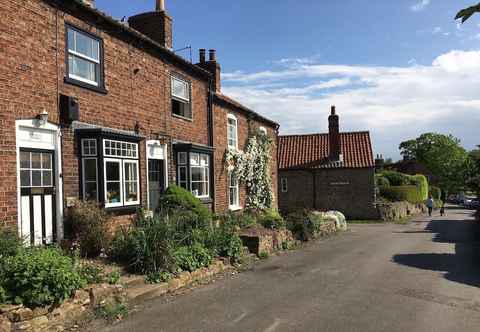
(396, 68)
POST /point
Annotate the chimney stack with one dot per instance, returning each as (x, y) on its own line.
(156, 25)
(335, 152)
(212, 66)
(202, 55)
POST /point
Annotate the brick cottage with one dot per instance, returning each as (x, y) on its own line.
(334, 171)
(98, 109)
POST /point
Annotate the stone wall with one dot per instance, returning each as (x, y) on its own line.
(399, 210)
(260, 240)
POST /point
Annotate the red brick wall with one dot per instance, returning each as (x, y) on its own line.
(32, 70)
(220, 142)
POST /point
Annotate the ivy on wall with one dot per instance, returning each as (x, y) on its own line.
(252, 168)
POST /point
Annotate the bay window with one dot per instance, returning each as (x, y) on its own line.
(111, 174)
(193, 173)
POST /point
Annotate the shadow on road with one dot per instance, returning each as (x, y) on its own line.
(463, 266)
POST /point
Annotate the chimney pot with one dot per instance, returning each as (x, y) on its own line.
(160, 5)
(333, 110)
(334, 136)
(202, 55)
(212, 55)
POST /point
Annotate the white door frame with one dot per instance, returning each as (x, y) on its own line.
(35, 142)
(163, 157)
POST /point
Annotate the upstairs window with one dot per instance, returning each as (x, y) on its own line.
(181, 103)
(84, 57)
(232, 132)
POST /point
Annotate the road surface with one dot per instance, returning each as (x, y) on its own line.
(423, 276)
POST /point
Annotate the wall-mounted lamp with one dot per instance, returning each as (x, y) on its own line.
(42, 118)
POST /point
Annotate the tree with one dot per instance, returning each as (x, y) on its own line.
(443, 156)
(466, 13)
(474, 181)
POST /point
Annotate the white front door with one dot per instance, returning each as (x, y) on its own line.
(157, 180)
(40, 208)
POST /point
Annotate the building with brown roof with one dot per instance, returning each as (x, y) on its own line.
(333, 171)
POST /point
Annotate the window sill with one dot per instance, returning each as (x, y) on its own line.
(235, 208)
(84, 85)
(182, 117)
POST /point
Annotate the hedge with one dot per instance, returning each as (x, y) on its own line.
(422, 184)
(435, 192)
(381, 181)
(397, 178)
(402, 193)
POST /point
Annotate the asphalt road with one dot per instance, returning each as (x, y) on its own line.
(423, 276)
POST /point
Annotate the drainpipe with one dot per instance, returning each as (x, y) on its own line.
(210, 140)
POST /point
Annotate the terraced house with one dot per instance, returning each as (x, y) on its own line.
(93, 108)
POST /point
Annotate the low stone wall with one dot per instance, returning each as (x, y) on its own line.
(258, 239)
(56, 318)
(399, 210)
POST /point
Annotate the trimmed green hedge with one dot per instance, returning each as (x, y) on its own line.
(435, 192)
(381, 181)
(422, 184)
(402, 193)
(397, 178)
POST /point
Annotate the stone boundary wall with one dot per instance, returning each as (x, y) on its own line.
(399, 210)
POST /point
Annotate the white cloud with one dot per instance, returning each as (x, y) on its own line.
(437, 30)
(419, 6)
(395, 103)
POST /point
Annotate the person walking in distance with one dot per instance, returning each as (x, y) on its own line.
(442, 210)
(430, 205)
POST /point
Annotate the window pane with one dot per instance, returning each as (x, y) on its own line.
(194, 159)
(90, 170)
(182, 158)
(83, 68)
(197, 174)
(47, 178)
(24, 159)
(36, 160)
(91, 191)
(113, 171)
(130, 172)
(131, 192)
(182, 174)
(113, 192)
(71, 40)
(25, 178)
(36, 178)
(204, 160)
(87, 46)
(46, 161)
(180, 89)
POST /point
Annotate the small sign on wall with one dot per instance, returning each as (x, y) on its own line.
(339, 183)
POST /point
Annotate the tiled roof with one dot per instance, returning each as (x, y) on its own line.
(311, 151)
(222, 98)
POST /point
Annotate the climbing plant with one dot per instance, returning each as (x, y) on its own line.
(252, 168)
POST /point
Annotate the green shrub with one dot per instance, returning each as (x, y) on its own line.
(192, 257)
(435, 192)
(10, 244)
(271, 219)
(396, 178)
(144, 247)
(3, 295)
(263, 255)
(422, 184)
(38, 277)
(158, 277)
(91, 273)
(89, 223)
(402, 193)
(177, 199)
(113, 277)
(381, 181)
(111, 312)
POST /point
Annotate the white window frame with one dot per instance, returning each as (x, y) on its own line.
(84, 181)
(236, 205)
(284, 185)
(234, 118)
(84, 57)
(263, 130)
(188, 166)
(187, 88)
(124, 182)
(134, 155)
(105, 181)
(89, 140)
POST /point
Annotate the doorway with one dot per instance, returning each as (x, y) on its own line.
(157, 173)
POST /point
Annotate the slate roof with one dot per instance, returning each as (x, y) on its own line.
(311, 151)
